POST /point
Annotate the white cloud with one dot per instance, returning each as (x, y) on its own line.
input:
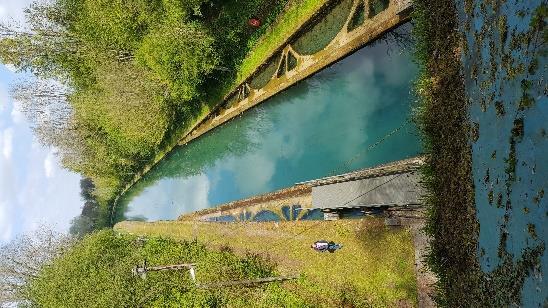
(7, 143)
(49, 165)
(157, 203)
(7, 195)
(257, 173)
(10, 68)
(4, 97)
(47, 194)
(34, 189)
(16, 115)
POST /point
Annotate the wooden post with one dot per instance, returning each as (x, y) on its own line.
(174, 267)
(142, 271)
(192, 273)
(244, 282)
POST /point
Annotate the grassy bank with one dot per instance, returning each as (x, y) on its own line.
(97, 272)
(375, 266)
(295, 15)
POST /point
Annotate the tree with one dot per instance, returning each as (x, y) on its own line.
(182, 55)
(86, 189)
(43, 45)
(44, 103)
(22, 259)
(93, 216)
(82, 225)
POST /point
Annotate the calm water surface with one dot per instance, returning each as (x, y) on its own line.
(322, 125)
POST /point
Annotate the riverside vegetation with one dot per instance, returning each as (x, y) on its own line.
(374, 270)
(451, 198)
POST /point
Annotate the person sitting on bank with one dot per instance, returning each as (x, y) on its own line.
(323, 246)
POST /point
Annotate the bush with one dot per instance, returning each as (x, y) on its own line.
(181, 55)
(114, 24)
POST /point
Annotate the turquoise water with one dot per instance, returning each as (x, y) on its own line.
(323, 125)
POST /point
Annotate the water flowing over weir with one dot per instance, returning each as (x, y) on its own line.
(323, 125)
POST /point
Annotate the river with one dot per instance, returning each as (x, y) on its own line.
(326, 124)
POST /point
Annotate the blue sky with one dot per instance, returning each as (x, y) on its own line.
(34, 189)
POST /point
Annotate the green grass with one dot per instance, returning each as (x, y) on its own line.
(296, 14)
(97, 272)
(375, 266)
(324, 30)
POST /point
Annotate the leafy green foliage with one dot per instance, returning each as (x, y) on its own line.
(117, 24)
(96, 272)
(179, 55)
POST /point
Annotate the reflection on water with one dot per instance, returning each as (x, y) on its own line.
(322, 124)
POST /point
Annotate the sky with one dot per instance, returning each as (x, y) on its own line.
(34, 189)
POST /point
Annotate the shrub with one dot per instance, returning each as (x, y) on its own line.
(181, 55)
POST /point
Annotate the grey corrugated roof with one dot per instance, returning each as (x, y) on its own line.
(397, 189)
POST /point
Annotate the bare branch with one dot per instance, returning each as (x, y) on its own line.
(22, 259)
